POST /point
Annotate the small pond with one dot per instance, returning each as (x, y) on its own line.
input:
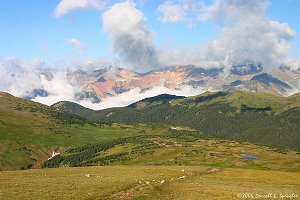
(249, 157)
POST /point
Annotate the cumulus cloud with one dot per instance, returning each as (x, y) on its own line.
(78, 45)
(171, 12)
(137, 94)
(294, 64)
(131, 40)
(248, 35)
(178, 11)
(59, 89)
(92, 64)
(66, 6)
(20, 77)
(232, 10)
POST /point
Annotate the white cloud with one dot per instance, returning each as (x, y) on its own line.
(66, 6)
(131, 40)
(232, 10)
(92, 64)
(79, 46)
(20, 77)
(179, 11)
(137, 94)
(246, 35)
(59, 89)
(294, 64)
(171, 12)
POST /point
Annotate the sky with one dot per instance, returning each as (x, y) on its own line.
(63, 31)
(139, 35)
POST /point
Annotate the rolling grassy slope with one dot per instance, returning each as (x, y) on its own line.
(177, 147)
(30, 131)
(254, 117)
(146, 161)
(145, 182)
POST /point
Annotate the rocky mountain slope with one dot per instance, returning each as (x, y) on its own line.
(99, 84)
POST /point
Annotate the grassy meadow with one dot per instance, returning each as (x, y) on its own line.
(145, 182)
(135, 161)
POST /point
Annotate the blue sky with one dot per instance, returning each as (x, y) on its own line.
(30, 31)
(288, 11)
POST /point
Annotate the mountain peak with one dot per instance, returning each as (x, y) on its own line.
(246, 68)
(268, 79)
(103, 83)
(159, 99)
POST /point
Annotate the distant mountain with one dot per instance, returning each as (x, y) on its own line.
(268, 80)
(37, 93)
(246, 68)
(99, 84)
(255, 117)
(73, 108)
(159, 99)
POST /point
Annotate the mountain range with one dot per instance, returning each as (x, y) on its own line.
(97, 85)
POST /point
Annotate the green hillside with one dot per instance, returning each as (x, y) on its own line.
(30, 131)
(176, 147)
(73, 108)
(137, 161)
(254, 117)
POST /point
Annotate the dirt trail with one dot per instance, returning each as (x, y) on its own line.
(143, 187)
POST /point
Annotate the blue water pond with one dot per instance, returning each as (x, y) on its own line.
(249, 157)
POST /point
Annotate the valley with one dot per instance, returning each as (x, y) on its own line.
(177, 147)
(111, 158)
